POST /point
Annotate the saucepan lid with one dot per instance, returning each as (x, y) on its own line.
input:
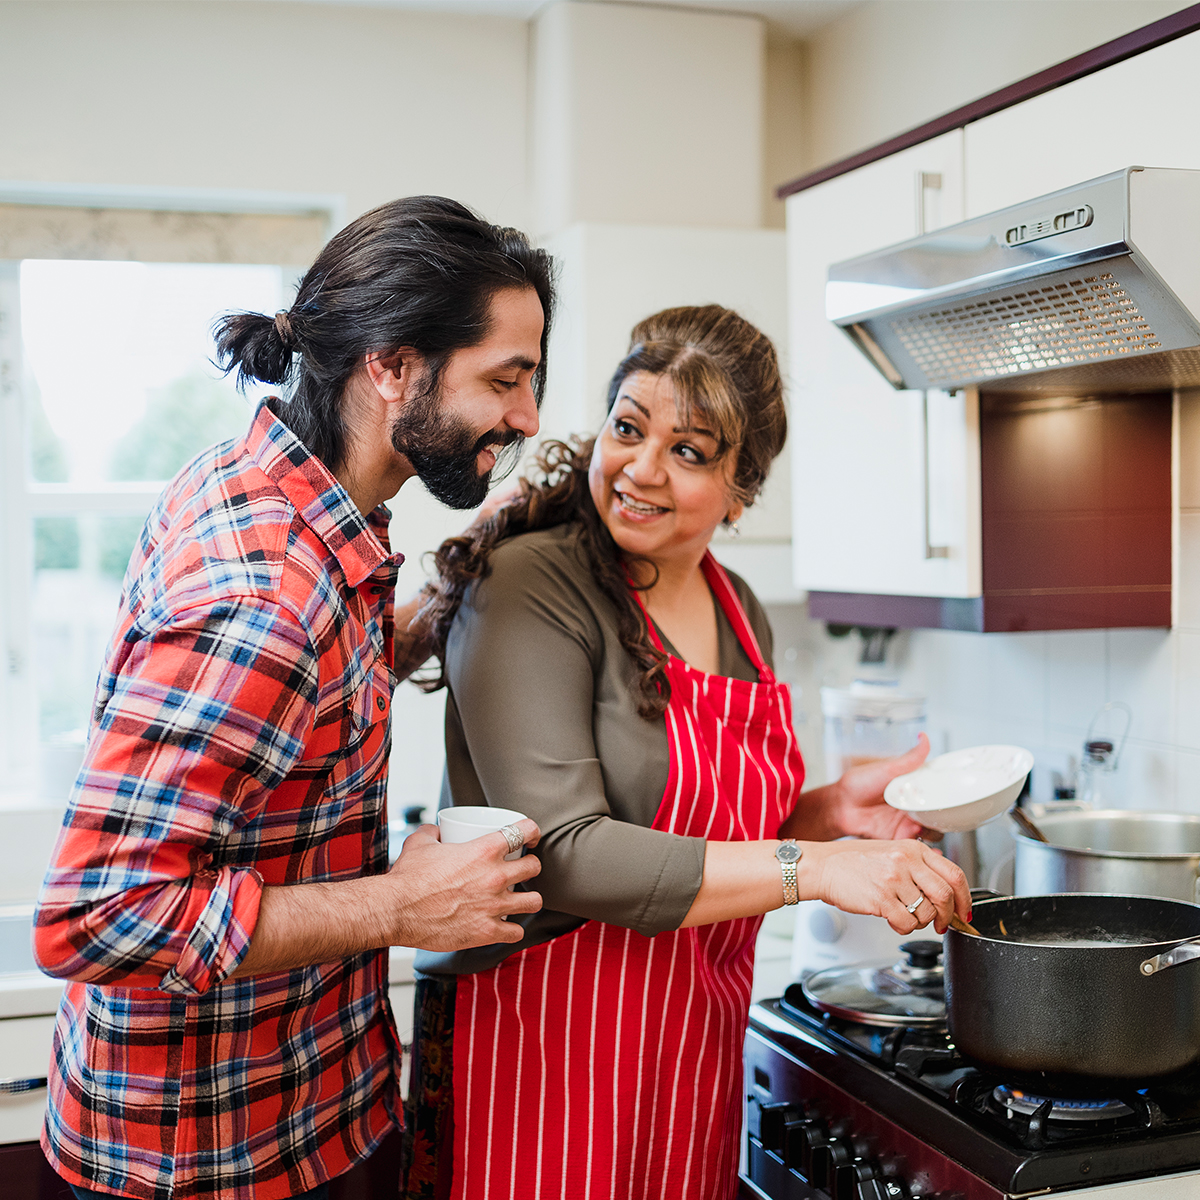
(909, 992)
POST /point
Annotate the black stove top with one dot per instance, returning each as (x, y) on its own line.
(1007, 1136)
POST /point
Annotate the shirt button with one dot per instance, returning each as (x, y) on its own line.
(380, 703)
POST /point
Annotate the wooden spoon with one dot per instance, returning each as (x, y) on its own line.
(1021, 819)
(956, 922)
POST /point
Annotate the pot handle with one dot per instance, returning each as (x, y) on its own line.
(982, 893)
(1176, 956)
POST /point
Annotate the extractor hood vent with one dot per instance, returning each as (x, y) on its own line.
(1072, 290)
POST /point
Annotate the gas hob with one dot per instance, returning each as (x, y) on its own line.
(852, 1112)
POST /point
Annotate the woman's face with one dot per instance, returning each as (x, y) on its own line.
(659, 489)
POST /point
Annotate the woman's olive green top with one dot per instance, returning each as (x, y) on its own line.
(542, 717)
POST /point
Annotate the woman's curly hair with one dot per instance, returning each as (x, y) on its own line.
(719, 365)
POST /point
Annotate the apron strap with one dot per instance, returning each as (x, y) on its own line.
(650, 626)
(727, 597)
(731, 605)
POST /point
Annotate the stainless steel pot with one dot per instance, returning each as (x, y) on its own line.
(1124, 853)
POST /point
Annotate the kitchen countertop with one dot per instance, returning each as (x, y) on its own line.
(32, 994)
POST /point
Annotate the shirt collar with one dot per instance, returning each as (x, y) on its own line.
(358, 543)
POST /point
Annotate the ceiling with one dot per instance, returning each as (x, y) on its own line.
(793, 18)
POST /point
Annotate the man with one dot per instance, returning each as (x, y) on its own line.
(220, 898)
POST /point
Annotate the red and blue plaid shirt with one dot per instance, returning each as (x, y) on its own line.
(240, 737)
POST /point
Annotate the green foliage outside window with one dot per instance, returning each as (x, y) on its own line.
(181, 419)
(56, 543)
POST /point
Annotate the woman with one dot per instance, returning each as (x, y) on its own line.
(608, 679)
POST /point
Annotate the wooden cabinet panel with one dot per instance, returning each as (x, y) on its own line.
(1076, 498)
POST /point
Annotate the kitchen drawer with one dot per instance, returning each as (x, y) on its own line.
(25, 1047)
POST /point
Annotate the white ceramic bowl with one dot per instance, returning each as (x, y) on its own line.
(960, 790)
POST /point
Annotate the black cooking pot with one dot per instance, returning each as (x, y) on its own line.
(1077, 992)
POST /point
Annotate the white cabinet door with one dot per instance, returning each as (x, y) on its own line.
(1140, 112)
(860, 520)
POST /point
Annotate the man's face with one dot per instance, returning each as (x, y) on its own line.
(484, 401)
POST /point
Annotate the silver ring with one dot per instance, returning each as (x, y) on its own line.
(514, 838)
(911, 909)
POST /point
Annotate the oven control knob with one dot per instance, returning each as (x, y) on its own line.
(850, 1176)
(812, 1137)
(825, 1163)
(879, 1188)
(795, 1125)
(767, 1122)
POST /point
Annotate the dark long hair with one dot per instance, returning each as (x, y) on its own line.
(555, 492)
(419, 272)
(719, 365)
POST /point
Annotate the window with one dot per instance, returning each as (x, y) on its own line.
(106, 389)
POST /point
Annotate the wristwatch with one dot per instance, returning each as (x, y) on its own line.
(788, 853)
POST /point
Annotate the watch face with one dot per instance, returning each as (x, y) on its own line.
(789, 852)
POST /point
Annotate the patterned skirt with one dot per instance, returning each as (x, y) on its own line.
(429, 1136)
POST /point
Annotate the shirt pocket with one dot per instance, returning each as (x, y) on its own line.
(372, 702)
(367, 732)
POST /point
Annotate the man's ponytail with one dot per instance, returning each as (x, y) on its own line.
(255, 346)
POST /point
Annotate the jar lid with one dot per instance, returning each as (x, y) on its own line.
(872, 700)
(909, 992)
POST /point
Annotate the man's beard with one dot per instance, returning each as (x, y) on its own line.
(443, 450)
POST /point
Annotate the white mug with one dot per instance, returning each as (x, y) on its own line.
(466, 822)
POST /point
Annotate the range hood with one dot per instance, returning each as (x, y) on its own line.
(1093, 288)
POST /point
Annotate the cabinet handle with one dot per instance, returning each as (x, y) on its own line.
(931, 551)
(927, 181)
(16, 1087)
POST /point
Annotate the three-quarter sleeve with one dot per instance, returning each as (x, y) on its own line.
(524, 659)
(208, 713)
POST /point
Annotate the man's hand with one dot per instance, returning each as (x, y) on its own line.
(435, 897)
(854, 805)
(451, 897)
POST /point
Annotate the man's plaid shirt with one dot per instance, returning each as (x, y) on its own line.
(240, 737)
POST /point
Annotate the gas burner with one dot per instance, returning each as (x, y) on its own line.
(1026, 1104)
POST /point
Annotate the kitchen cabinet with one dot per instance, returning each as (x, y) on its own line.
(1137, 112)
(885, 484)
(901, 514)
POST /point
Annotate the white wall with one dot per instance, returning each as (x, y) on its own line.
(369, 102)
(888, 66)
(646, 115)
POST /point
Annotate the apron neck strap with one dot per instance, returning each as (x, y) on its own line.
(731, 606)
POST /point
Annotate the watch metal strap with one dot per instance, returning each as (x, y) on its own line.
(791, 894)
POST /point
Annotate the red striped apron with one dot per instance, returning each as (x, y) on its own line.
(606, 1065)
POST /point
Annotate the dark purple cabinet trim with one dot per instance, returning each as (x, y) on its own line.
(1185, 21)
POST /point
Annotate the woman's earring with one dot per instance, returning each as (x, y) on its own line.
(734, 531)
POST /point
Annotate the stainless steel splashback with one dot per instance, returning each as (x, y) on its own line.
(1096, 288)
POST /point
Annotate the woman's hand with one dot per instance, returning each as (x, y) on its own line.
(884, 879)
(854, 806)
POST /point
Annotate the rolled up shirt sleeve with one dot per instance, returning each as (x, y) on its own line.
(205, 714)
(523, 666)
